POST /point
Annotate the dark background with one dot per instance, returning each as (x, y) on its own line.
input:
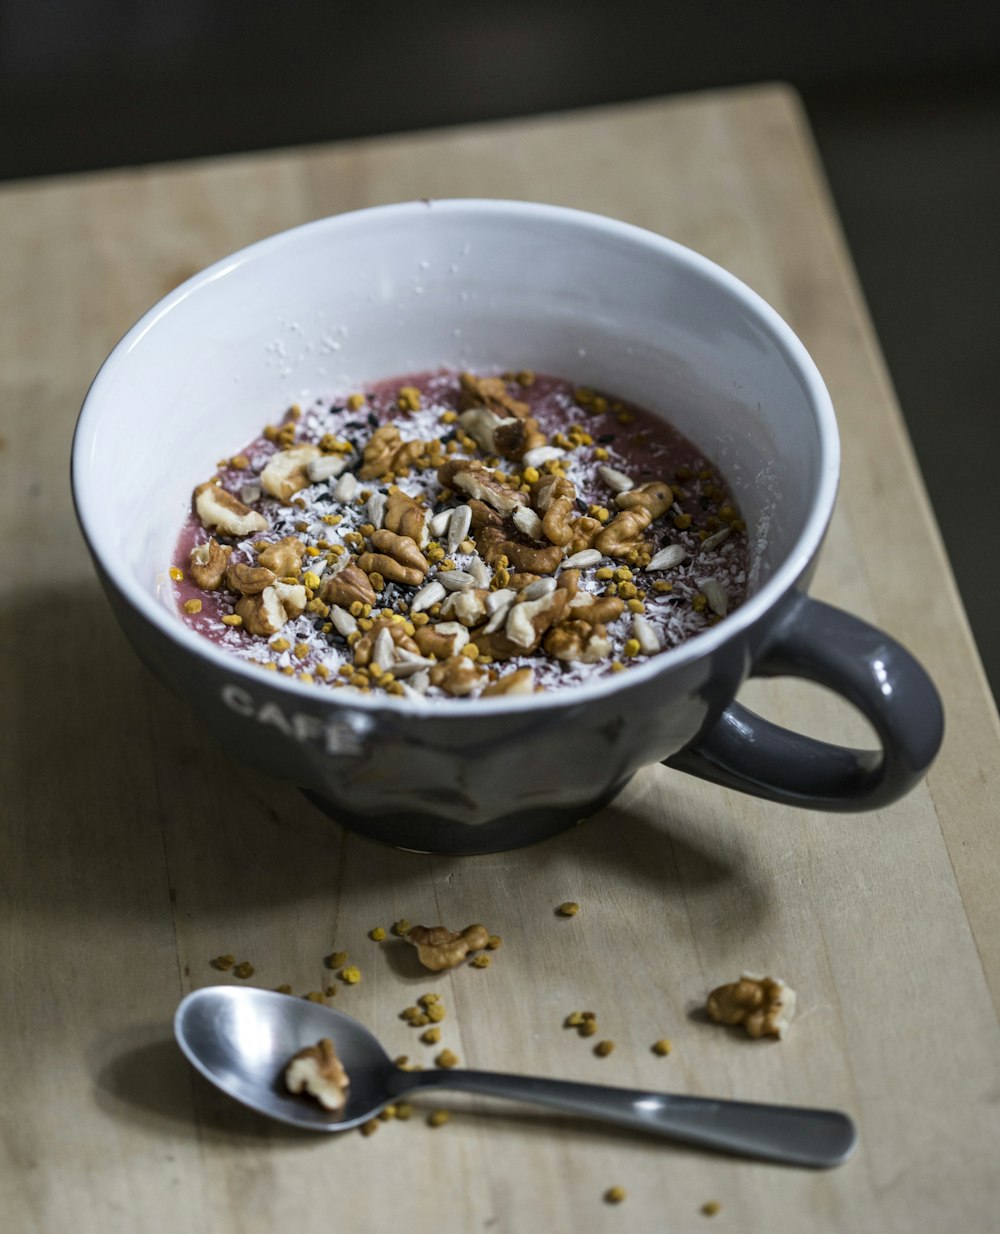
(904, 99)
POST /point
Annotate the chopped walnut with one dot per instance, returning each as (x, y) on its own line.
(656, 497)
(288, 471)
(470, 476)
(520, 681)
(490, 392)
(365, 646)
(495, 542)
(513, 438)
(249, 580)
(524, 627)
(347, 586)
(208, 564)
(406, 517)
(227, 514)
(763, 1005)
(284, 556)
(578, 641)
(624, 533)
(443, 639)
(386, 453)
(439, 948)
(318, 1071)
(457, 676)
(397, 558)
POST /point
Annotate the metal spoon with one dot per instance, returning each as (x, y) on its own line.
(242, 1038)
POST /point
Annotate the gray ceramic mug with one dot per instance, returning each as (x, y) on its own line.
(490, 285)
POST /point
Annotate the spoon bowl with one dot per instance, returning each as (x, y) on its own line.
(241, 1040)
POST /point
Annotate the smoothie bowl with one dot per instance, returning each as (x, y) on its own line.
(457, 513)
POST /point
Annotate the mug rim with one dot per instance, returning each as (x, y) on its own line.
(703, 645)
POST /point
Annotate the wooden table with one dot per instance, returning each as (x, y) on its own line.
(134, 851)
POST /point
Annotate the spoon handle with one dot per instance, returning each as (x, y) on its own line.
(790, 1134)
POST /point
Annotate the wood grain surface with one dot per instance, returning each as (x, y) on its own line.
(133, 850)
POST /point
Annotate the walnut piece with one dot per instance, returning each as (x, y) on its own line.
(226, 513)
(318, 1071)
(284, 556)
(288, 471)
(457, 676)
(763, 1005)
(249, 580)
(348, 585)
(406, 517)
(208, 564)
(387, 453)
(470, 476)
(520, 681)
(489, 392)
(267, 611)
(439, 948)
(578, 641)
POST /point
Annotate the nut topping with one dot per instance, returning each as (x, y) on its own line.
(227, 514)
(208, 564)
(318, 1071)
(288, 471)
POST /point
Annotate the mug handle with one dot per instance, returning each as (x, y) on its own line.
(865, 666)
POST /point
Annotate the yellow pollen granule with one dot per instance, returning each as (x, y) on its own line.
(284, 988)
(280, 644)
(337, 960)
(176, 573)
(425, 1000)
(614, 1195)
(480, 961)
(430, 1036)
(355, 401)
(604, 1048)
(370, 1127)
(377, 934)
(711, 1207)
(311, 580)
(192, 606)
(568, 909)
(435, 1011)
(244, 969)
(438, 1118)
(404, 1110)
(350, 975)
(224, 962)
(495, 942)
(662, 1047)
(446, 1059)
(232, 619)
(401, 927)
(631, 647)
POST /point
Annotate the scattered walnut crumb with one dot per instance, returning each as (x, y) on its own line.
(243, 969)
(438, 1118)
(763, 1005)
(446, 1059)
(439, 948)
(604, 1048)
(614, 1195)
(662, 1047)
(224, 962)
(568, 908)
(711, 1207)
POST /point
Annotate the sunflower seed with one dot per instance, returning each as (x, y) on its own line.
(615, 480)
(428, 595)
(646, 635)
(455, 580)
(439, 523)
(586, 557)
(714, 540)
(540, 587)
(375, 508)
(346, 487)
(342, 621)
(458, 526)
(715, 594)
(541, 454)
(383, 651)
(667, 557)
(526, 520)
(480, 571)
